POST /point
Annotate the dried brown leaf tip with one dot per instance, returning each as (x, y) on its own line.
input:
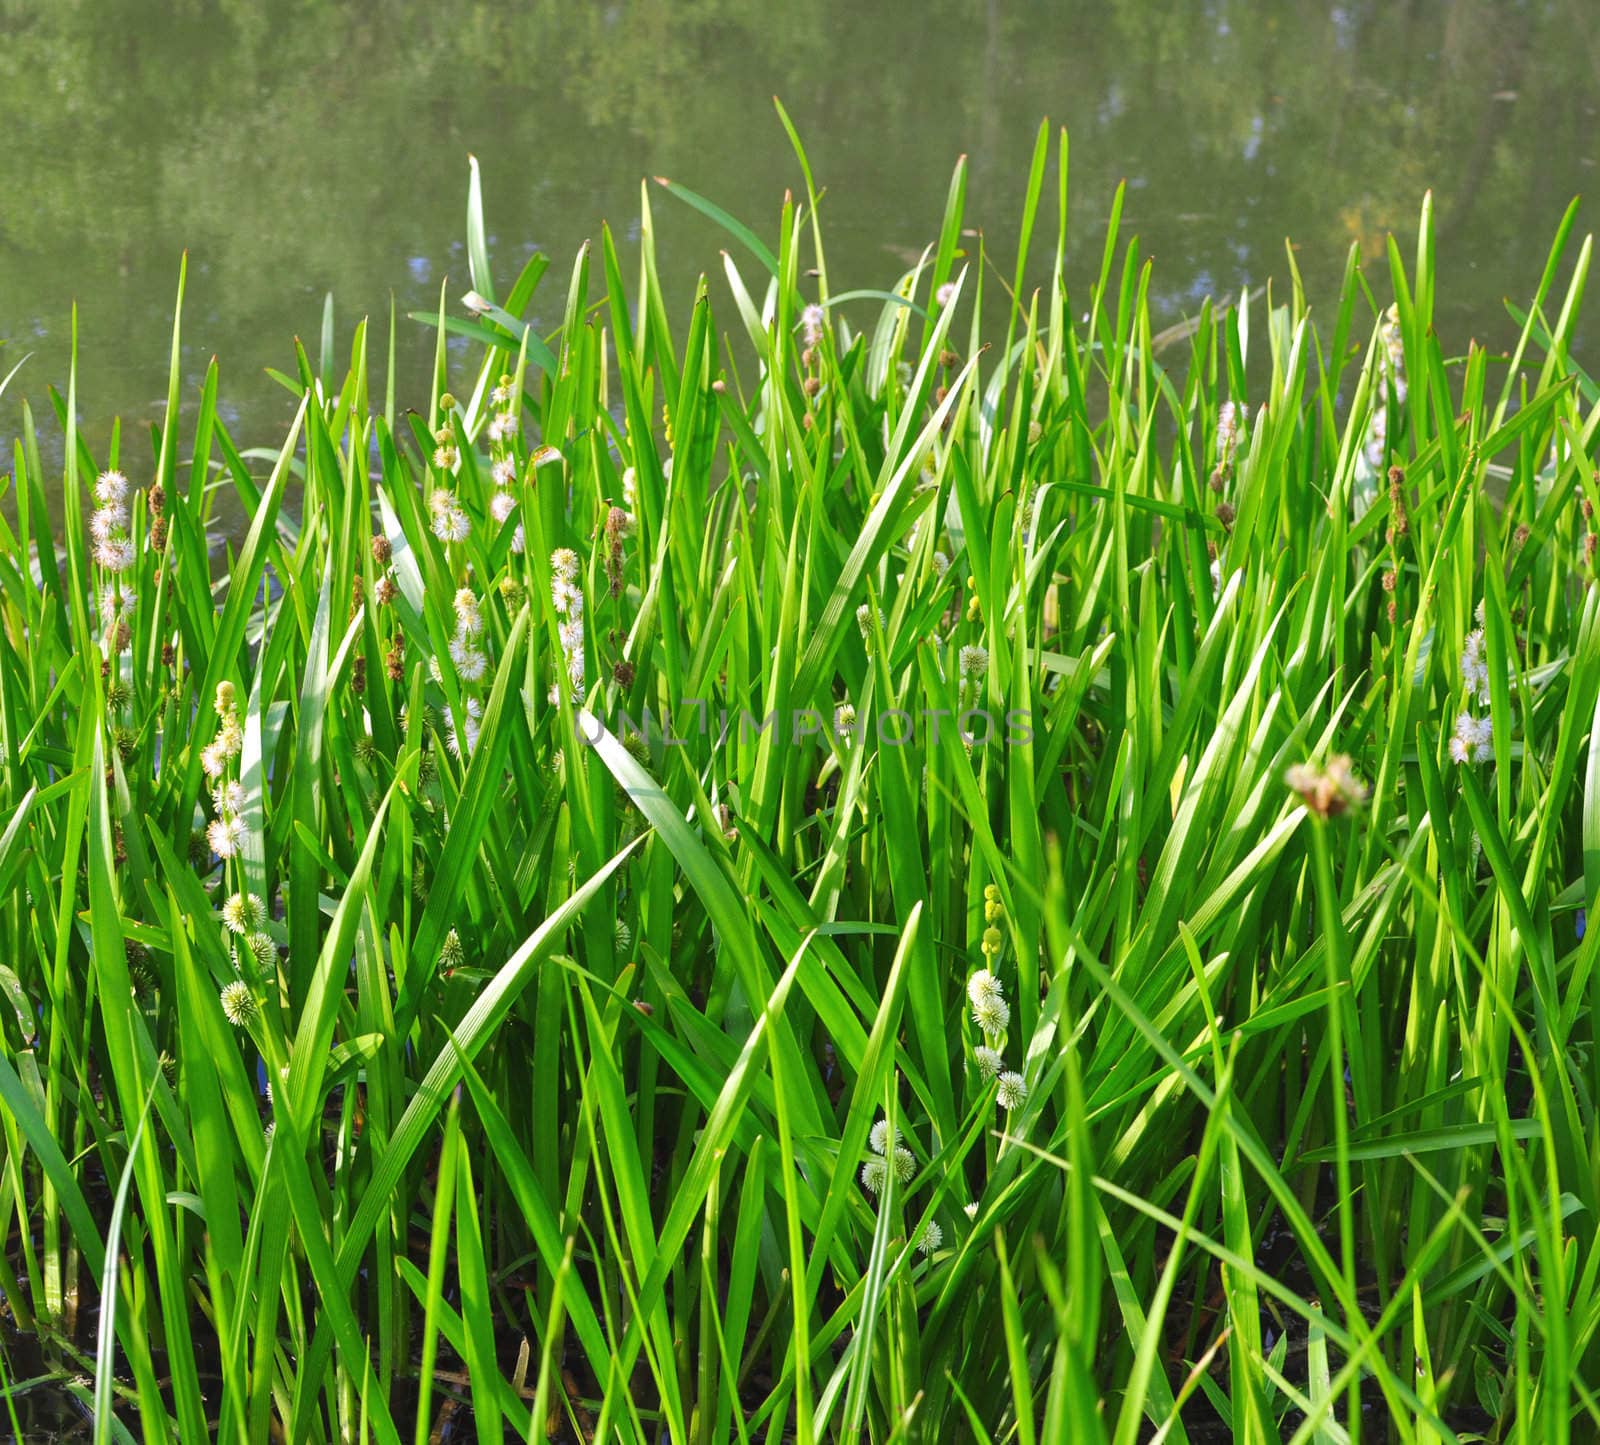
(1327, 789)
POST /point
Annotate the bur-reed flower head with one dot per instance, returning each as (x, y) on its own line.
(450, 521)
(115, 554)
(238, 1004)
(811, 319)
(502, 505)
(226, 836)
(983, 985)
(104, 521)
(470, 664)
(992, 1014)
(502, 426)
(468, 618)
(110, 487)
(988, 1060)
(878, 1140)
(1473, 739)
(228, 797)
(446, 457)
(461, 741)
(946, 293)
(116, 601)
(504, 391)
(244, 913)
(903, 1162)
(844, 721)
(1012, 1092)
(451, 953)
(1328, 790)
(262, 953)
(974, 661)
(932, 1237)
(504, 473)
(874, 1174)
(1475, 664)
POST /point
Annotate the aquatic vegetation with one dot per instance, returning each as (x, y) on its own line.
(892, 872)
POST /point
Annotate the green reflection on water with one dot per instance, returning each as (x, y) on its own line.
(297, 148)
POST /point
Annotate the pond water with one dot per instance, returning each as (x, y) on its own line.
(300, 148)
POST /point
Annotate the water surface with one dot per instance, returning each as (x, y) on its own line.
(297, 147)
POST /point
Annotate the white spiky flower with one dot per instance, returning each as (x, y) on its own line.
(970, 1209)
(946, 293)
(932, 1237)
(226, 836)
(462, 741)
(450, 521)
(974, 661)
(238, 1003)
(1473, 739)
(228, 797)
(565, 597)
(874, 1175)
(988, 1060)
(941, 564)
(811, 319)
(992, 1014)
(504, 472)
(1475, 665)
(519, 543)
(864, 620)
(110, 486)
(106, 520)
(564, 564)
(878, 1139)
(630, 488)
(115, 554)
(502, 505)
(1012, 1092)
(502, 426)
(982, 986)
(115, 600)
(468, 618)
(470, 664)
(244, 913)
(844, 721)
(504, 391)
(263, 953)
(904, 1162)
(445, 457)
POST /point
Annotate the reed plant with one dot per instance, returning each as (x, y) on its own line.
(918, 864)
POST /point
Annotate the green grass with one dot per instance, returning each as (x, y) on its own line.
(577, 1038)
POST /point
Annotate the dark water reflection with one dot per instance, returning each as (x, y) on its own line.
(297, 147)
